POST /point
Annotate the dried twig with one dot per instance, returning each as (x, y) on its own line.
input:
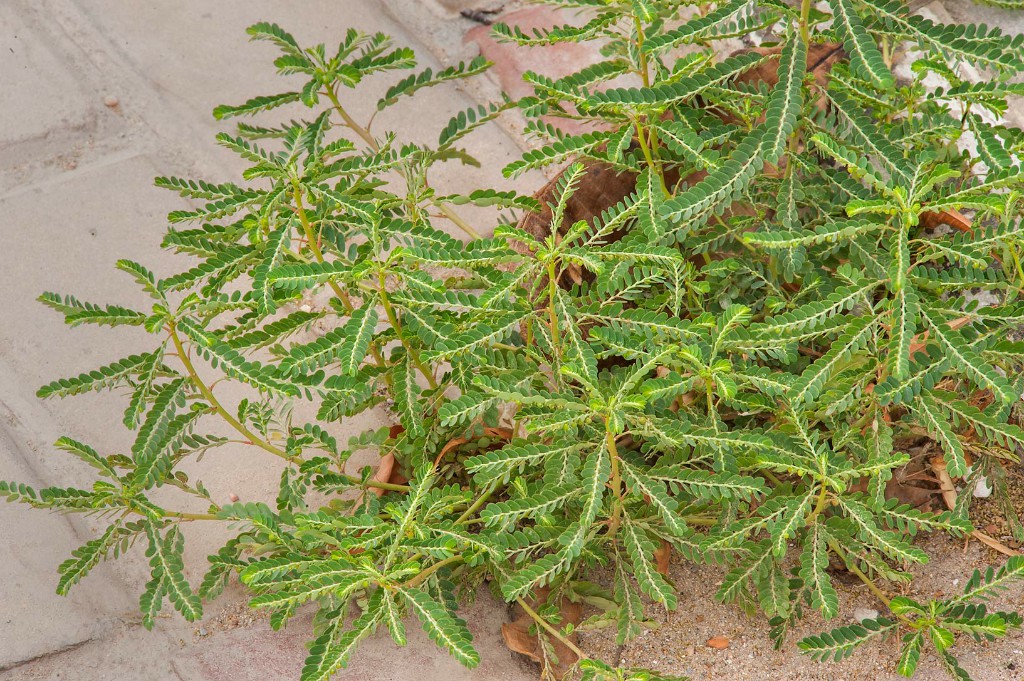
(949, 496)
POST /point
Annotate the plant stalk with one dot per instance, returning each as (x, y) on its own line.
(418, 579)
(251, 437)
(822, 500)
(650, 150)
(368, 138)
(868, 582)
(805, 20)
(475, 506)
(319, 255)
(556, 338)
(457, 220)
(351, 122)
(550, 629)
(190, 516)
(397, 326)
(314, 244)
(613, 453)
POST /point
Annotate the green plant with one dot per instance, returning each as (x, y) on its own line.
(730, 360)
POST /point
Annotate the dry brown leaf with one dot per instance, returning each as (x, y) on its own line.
(519, 639)
(949, 496)
(953, 218)
(387, 471)
(910, 484)
(497, 433)
(662, 557)
(718, 642)
(602, 186)
(917, 343)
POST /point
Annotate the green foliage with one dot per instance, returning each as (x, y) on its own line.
(935, 622)
(729, 360)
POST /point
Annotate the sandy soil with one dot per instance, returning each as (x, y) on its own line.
(679, 645)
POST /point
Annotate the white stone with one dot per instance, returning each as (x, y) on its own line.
(982, 489)
(861, 614)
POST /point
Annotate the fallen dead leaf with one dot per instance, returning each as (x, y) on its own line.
(519, 639)
(662, 557)
(718, 642)
(949, 496)
(503, 434)
(910, 484)
(952, 218)
(387, 471)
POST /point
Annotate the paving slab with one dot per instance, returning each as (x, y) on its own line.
(251, 653)
(53, 116)
(241, 648)
(127, 652)
(43, 104)
(34, 620)
(93, 216)
(230, 69)
(485, 7)
(554, 61)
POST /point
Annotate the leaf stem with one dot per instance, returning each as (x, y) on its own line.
(820, 506)
(613, 453)
(642, 138)
(651, 149)
(475, 506)
(852, 567)
(1016, 262)
(805, 18)
(368, 138)
(314, 245)
(418, 579)
(319, 255)
(219, 408)
(710, 395)
(556, 339)
(552, 295)
(190, 516)
(397, 326)
(550, 629)
(351, 122)
(458, 220)
(251, 437)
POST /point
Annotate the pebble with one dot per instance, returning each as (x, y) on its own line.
(861, 614)
(233, 497)
(982, 490)
(110, 101)
(984, 298)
